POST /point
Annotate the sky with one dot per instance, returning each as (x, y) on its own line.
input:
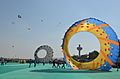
(44, 22)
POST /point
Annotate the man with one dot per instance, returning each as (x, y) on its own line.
(54, 61)
(118, 57)
(30, 62)
(34, 63)
(2, 61)
(63, 66)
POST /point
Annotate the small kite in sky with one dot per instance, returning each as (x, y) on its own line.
(19, 16)
(13, 46)
(29, 28)
(12, 22)
(59, 22)
(41, 20)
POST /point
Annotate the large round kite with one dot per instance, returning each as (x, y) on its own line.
(48, 56)
(109, 46)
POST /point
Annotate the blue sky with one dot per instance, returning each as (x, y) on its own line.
(57, 16)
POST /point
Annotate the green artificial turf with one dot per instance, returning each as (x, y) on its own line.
(11, 67)
(17, 71)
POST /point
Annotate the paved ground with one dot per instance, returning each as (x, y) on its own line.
(21, 71)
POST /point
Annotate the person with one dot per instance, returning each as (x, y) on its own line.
(117, 68)
(30, 62)
(58, 63)
(118, 57)
(2, 61)
(34, 63)
(43, 63)
(54, 63)
(5, 62)
(117, 64)
(63, 66)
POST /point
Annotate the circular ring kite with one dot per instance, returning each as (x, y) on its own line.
(48, 56)
(109, 45)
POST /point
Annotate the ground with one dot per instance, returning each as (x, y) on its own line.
(21, 71)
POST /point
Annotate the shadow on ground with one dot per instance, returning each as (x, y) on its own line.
(69, 71)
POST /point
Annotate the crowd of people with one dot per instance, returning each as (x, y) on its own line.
(32, 61)
(3, 61)
(55, 63)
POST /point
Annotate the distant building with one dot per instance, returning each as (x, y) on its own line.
(93, 55)
(86, 57)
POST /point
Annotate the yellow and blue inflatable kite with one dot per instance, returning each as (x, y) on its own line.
(109, 45)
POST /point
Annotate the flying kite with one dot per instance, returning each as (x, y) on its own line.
(29, 28)
(19, 16)
(41, 20)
